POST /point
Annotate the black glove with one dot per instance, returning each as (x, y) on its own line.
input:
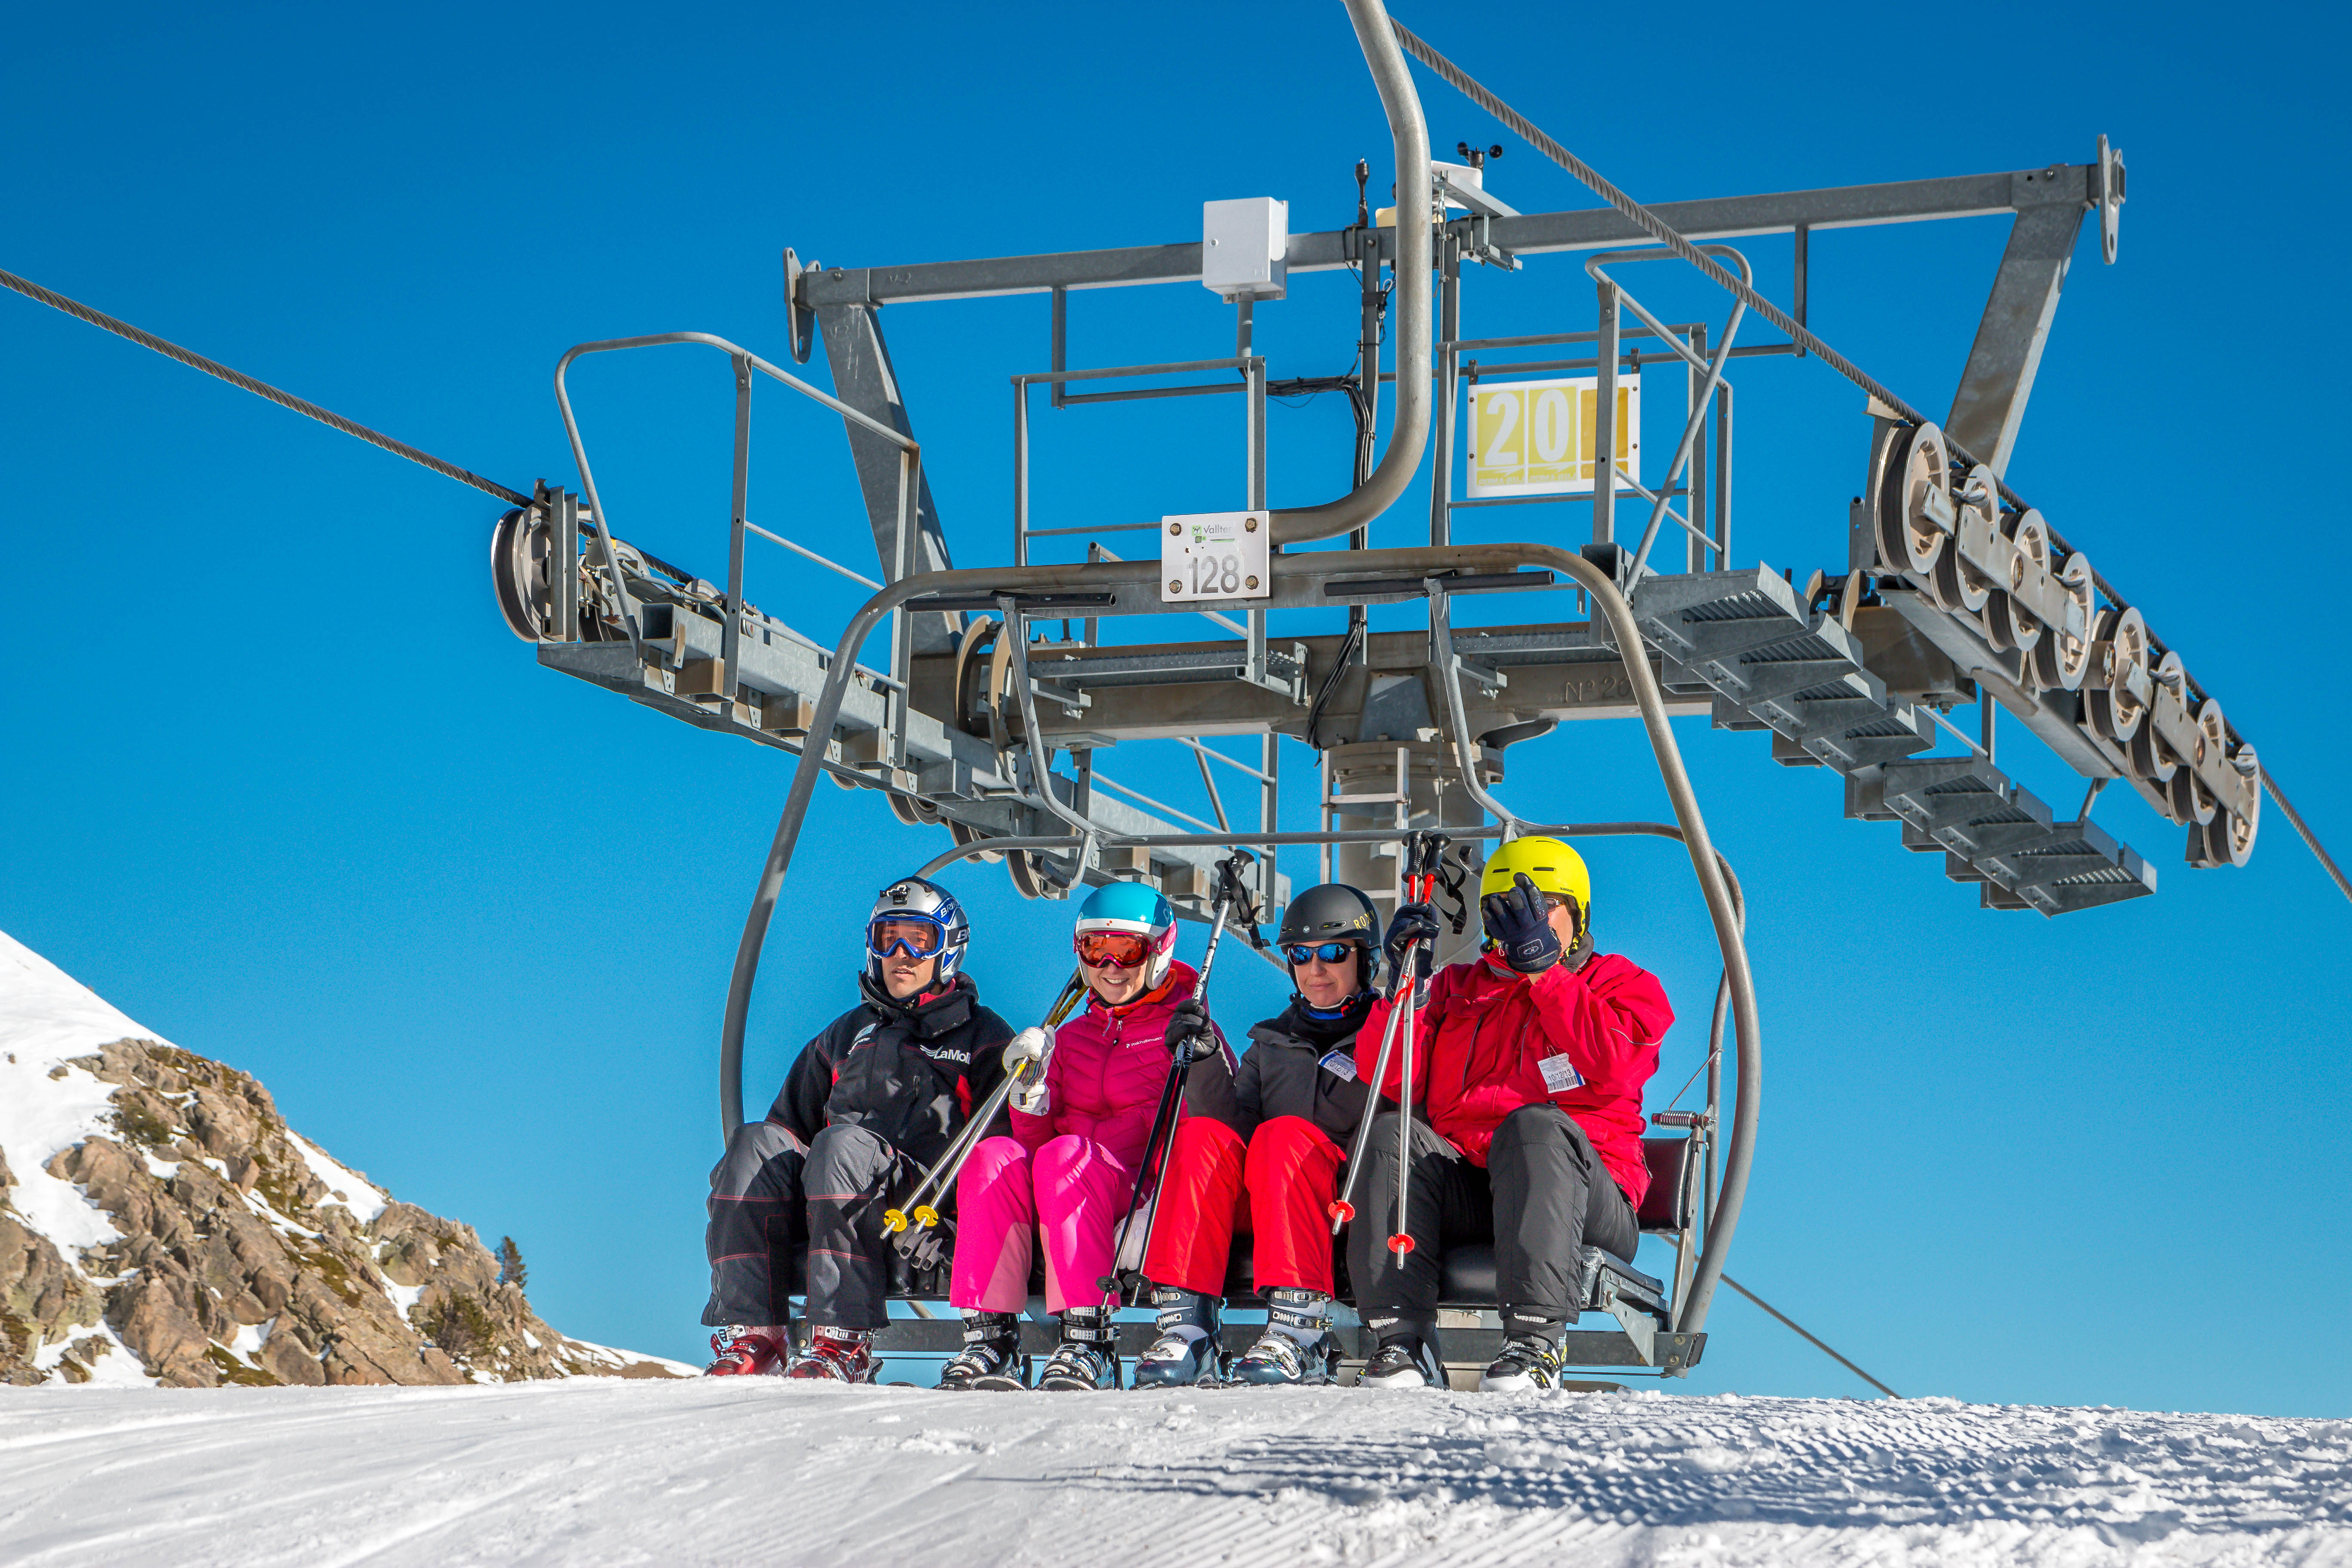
(926, 1246)
(1518, 921)
(1411, 923)
(1189, 1021)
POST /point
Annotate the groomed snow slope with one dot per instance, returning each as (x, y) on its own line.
(761, 1470)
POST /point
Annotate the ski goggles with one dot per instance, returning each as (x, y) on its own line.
(910, 934)
(1327, 952)
(1113, 949)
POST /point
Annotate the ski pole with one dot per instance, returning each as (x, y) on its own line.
(936, 1181)
(1341, 1210)
(1421, 873)
(1163, 1121)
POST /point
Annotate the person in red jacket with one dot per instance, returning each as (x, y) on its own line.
(1528, 1064)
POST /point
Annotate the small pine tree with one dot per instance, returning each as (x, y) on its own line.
(510, 1265)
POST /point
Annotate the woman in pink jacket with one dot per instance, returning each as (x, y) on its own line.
(1077, 1151)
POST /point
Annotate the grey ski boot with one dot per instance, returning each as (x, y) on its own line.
(1089, 1357)
(1190, 1348)
(1297, 1346)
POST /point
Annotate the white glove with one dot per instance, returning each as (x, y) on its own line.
(1026, 1059)
(1031, 1045)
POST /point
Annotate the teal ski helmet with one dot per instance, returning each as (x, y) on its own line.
(1139, 911)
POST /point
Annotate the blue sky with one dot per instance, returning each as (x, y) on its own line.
(283, 786)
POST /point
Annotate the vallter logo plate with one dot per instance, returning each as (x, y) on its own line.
(1216, 555)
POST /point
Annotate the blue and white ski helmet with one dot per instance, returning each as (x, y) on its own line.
(926, 903)
(1138, 907)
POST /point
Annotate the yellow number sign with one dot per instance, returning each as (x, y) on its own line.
(1535, 437)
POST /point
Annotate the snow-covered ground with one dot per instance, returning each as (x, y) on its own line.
(761, 1470)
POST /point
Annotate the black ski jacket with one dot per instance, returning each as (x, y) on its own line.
(909, 1072)
(1298, 1065)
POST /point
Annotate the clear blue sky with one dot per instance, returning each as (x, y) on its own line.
(281, 784)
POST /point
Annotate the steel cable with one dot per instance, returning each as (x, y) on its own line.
(2303, 830)
(56, 301)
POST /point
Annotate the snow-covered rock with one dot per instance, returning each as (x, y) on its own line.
(160, 1223)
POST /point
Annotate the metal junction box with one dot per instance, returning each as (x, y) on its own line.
(1244, 244)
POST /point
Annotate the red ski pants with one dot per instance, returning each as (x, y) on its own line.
(1278, 1189)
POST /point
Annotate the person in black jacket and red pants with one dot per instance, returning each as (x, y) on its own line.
(1274, 1171)
(796, 1205)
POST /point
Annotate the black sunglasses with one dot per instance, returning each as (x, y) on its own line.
(1329, 951)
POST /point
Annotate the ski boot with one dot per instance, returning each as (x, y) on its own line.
(1297, 1346)
(1530, 1358)
(1088, 1356)
(743, 1351)
(845, 1355)
(1404, 1359)
(991, 1357)
(1189, 1349)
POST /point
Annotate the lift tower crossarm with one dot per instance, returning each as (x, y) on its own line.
(1591, 228)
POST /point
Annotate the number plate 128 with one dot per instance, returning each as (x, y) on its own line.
(1216, 555)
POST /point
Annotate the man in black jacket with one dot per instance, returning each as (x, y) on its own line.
(1275, 1170)
(796, 1205)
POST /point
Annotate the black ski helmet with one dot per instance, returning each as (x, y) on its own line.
(1335, 911)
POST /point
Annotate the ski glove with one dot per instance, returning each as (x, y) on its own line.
(1034, 1043)
(1411, 923)
(926, 1246)
(1189, 1021)
(1519, 923)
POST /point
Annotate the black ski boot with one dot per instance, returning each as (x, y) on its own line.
(1530, 1358)
(1189, 1349)
(1089, 1357)
(991, 1357)
(1297, 1346)
(1405, 1359)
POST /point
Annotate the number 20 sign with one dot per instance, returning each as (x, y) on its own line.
(1216, 555)
(1535, 437)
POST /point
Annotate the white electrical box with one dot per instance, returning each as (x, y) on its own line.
(1216, 555)
(1244, 245)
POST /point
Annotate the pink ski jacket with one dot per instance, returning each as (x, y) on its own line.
(1488, 1041)
(1109, 1063)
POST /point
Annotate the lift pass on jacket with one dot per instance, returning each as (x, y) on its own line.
(1216, 555)
(1559, 1074)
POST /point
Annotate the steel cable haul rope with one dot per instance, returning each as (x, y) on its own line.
(120, 329)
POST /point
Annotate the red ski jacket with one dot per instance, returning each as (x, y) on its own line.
(1109, 1066)
(1488, 1041)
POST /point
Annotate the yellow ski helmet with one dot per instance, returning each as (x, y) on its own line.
(1551, 865)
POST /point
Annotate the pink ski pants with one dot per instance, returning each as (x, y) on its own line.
(1073, 1191)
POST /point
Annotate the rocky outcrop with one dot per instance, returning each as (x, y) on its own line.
(238, 1263)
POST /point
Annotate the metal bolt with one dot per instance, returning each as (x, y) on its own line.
(1251, 583)
(1175, 530)
(1249, 525)
(1175, 587)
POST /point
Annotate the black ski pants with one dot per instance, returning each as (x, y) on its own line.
(788, 1220)
(1543, 1195)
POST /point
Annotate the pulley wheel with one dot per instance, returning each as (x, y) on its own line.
(1958, 582)
(2008, 624)
(1029, 876)
(964, 833)
(912, 810)
(2151, 755)
(2191, 800)
(519, 547)
(1908, 540)
(970, 667)
(2229, 837)
(2060, 660)
(2119, 655)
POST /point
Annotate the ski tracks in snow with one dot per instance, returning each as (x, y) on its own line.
(733, 1471)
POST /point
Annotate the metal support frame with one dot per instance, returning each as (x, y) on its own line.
(1990, 405)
